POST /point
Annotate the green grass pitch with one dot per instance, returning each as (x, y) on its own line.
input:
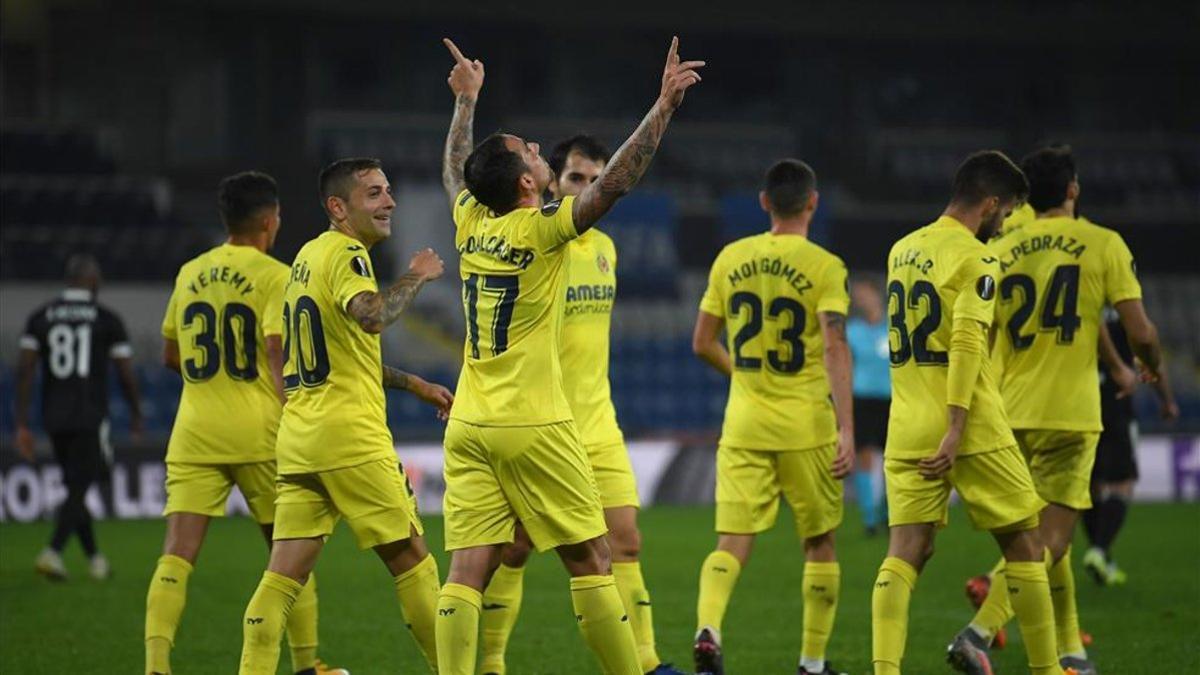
(1150, 625)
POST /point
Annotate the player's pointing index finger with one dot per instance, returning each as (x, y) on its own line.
(458, 55)
(673, 52)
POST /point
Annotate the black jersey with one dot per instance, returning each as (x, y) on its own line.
(75, 337)
(1109, 404)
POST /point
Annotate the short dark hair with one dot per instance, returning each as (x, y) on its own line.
(584, 144)
(82, 268)
(337, 179)
(1050, 171)
(788, 184)
(491, 173)
(242, 195)
(988, 173)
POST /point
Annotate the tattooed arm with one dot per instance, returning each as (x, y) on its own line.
(633, 157)
(434, 394)
(839, 366)
(375, 311)
(466, 79)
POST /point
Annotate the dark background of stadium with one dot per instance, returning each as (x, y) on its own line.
(119, 118)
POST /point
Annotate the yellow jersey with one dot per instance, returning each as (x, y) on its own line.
(769, 289)
(513, 269)
(1020, 215)
(936, 274)
(226, 301)
(1056, 275)
(336, 415)
(590, 293)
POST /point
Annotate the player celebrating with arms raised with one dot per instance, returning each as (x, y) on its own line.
(335, 452)
(1057, 272)
(947, 427)
(591, 290)
(512, 448)
(782, 433)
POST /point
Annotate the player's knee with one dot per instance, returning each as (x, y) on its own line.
(625, 543)
(820, 548)
(587, 558)
(516, 554)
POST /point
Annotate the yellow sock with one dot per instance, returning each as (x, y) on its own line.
(417, 589)
(164, 607)
(457, 629)
(636, 600)
(264, 621)
(1066, 615)
(1029, 592)
(302, 627)
(501, 606)
(604, 623)
(996, 610)
(718, 576)
(822, 583)
(889, 614)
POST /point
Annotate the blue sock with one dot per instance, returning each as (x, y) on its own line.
(868, 505)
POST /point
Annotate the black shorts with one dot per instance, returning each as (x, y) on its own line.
(1116, 461)
(84, 456)
(871, 422)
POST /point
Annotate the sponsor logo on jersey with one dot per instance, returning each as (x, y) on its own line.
(602, 263)
(551, 208)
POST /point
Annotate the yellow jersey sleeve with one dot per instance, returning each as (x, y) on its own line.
(350, 273)
(467, 211)
(1120, 272)
(713, 301)
(272, 317)
(170, 329)
(835, 289)
(976, 286)
(552, 225)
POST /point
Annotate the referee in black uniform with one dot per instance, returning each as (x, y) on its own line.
(73, 337)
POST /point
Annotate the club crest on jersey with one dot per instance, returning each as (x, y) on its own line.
(602, 263)
(360, 266)
(986, 287)
(551, 208)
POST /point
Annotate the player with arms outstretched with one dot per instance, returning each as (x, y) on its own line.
(947, 427)
(1057, 272)
(222, 333)
(334, 449)
(591, 288)
(513, 452)
(789, 424)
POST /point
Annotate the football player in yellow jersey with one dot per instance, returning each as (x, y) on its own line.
(947, 427)
(575, 163)
(222, 334)
(782, 302)
(1057, 272)
(335, 454)
(513, 452)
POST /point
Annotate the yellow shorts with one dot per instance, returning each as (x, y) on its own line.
(375, 498)
(995, 486)
(749, 483)
(614, 475)
(538, 475)
(1061, 464)
(204, 488)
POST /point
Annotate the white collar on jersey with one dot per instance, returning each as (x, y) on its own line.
(77, 294)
